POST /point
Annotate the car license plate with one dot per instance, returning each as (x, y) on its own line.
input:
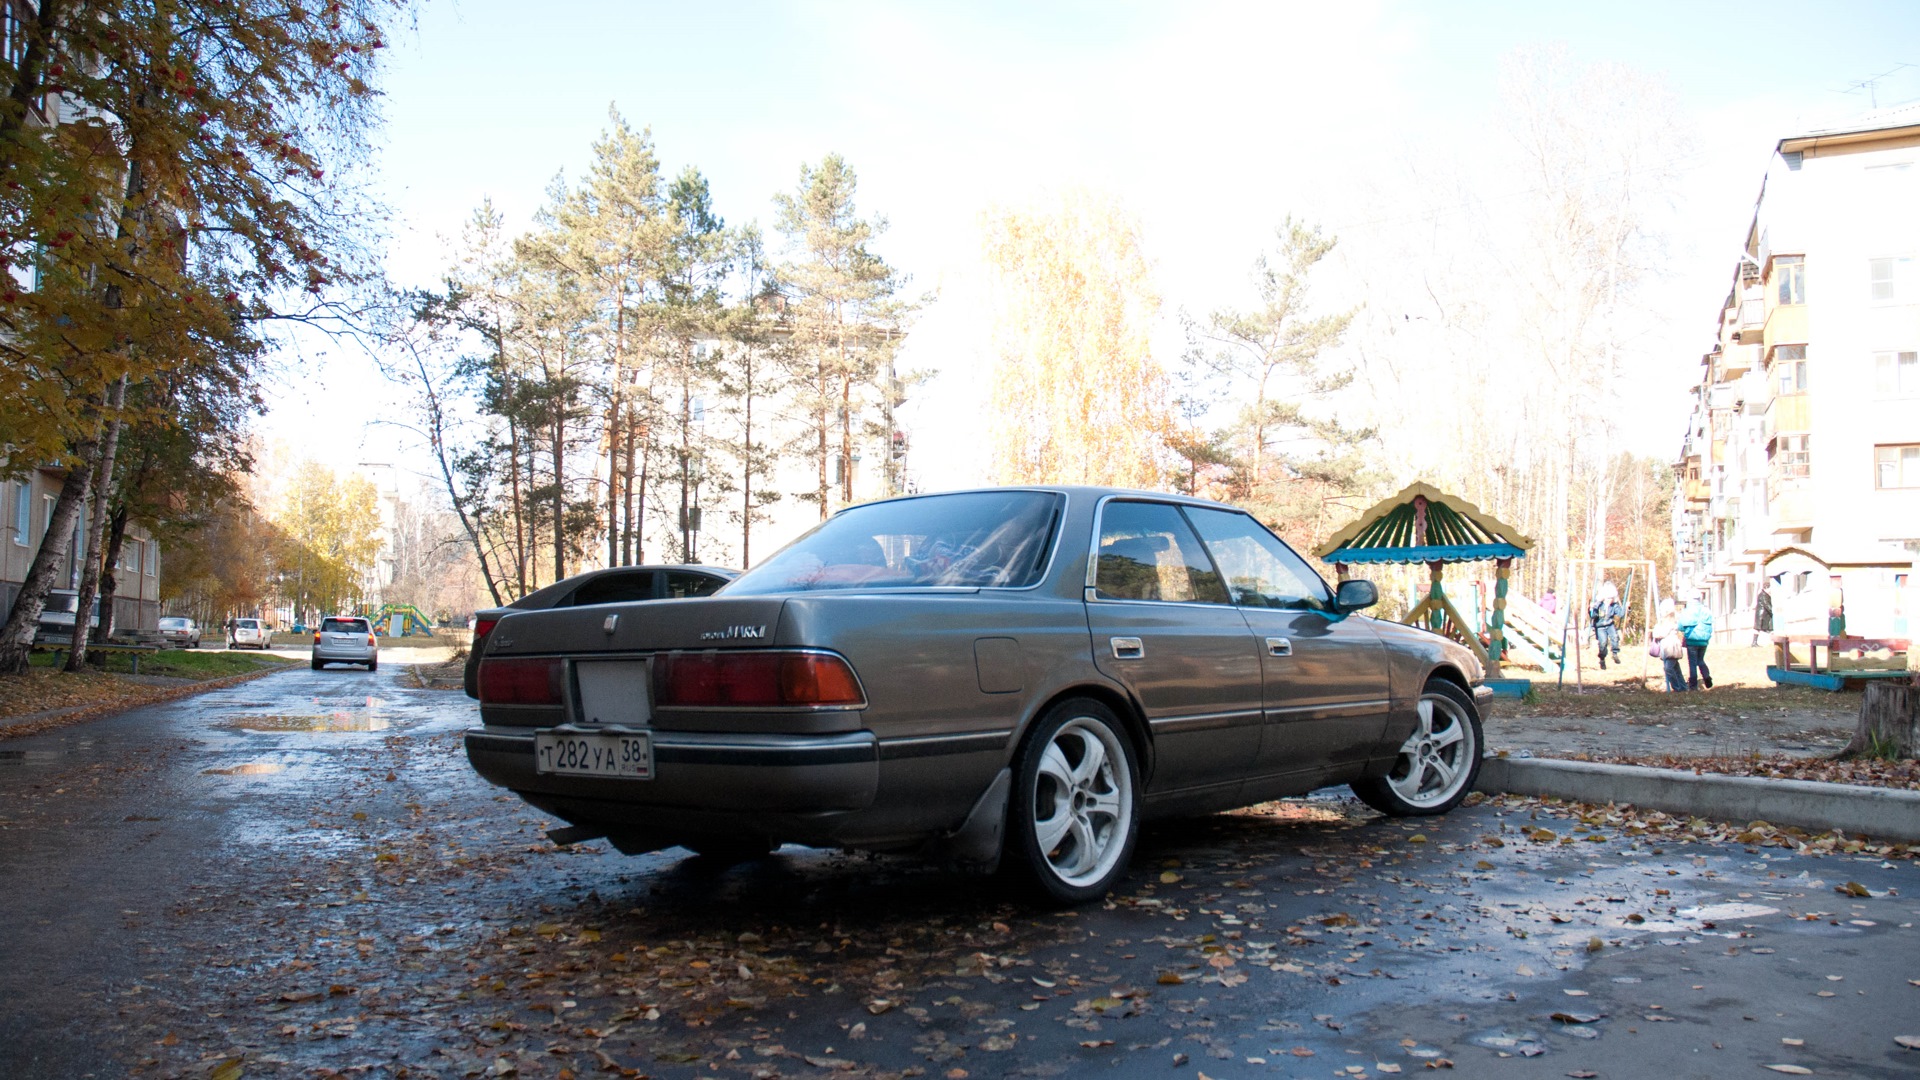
(612, 692)
(626, 755)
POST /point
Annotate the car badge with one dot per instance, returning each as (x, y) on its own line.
(610, 623)
(730, 633)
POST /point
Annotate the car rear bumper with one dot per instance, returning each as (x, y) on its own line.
(787, 785)
(337, 655)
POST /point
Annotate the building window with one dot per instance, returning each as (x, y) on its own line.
(1790, 279)
(46, 514)
(1896, 466)
(1791, 456)
(153, 558)
(1888, 279)
(130, 555)
(22, 512)
(1896, 374)
(1790, 368)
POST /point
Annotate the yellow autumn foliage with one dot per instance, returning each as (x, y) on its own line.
(1079, 398)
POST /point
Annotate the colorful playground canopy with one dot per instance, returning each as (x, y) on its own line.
(1421, 524)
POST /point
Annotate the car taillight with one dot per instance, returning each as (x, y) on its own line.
(753, 680)
(371, 640)
(513, 680)
(316, 637)
(480, 631)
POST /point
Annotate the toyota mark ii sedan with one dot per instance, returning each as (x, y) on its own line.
(1015, 676)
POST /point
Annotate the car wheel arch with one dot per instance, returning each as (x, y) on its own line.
(1450, 673)
(1114, 698)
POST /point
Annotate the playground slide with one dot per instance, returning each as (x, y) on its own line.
(1533, 635)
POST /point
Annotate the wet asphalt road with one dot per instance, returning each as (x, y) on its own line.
(299, 876)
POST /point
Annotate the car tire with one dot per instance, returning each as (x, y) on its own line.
(1075, 814)
(318, 663)
(373, 665)
(1437, 765)
(729, 850)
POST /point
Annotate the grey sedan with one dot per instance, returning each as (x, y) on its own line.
(1019, 674)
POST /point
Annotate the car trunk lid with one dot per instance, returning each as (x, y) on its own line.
(641, 626)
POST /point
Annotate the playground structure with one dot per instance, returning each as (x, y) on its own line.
(1422, 525)
(400, 620)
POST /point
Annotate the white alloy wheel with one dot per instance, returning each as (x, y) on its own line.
(1074, 807)
(1438, 763)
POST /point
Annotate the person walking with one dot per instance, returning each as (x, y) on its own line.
(1763, 615)
(1550, 603)
(1665, 644)
(1696, 629)
(1605, 615)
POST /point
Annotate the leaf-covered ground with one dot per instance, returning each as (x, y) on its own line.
(1867, 772)
(73, 697)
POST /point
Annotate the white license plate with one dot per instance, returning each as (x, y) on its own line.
(627, 755)
(613, 692)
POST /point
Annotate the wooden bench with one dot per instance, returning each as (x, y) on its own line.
(134, 651)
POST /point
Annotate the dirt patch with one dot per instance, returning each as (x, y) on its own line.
(42, 700)
(448, 675)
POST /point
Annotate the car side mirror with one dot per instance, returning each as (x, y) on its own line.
(1355, 594)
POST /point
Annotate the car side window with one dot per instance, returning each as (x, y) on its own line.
(1147, 552)
(682, 584)
(614, 588)
(1261, 571)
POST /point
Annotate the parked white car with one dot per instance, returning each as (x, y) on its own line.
(345, 639)
(250, 634)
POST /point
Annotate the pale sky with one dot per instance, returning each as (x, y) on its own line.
(1210, 121)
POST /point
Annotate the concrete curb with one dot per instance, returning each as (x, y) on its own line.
(1888, 814)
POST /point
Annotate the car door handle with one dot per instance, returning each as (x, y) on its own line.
(1279, 646)
(1127, 648)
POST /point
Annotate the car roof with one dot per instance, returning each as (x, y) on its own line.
(1088, 490)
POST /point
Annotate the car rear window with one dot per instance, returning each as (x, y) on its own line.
(247, 624)
(173, 624)
(345, 626)
(970, 539)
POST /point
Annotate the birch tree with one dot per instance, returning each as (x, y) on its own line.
(1081, 399)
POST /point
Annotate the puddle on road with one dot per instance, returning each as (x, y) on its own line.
(1523, 1043)
(22, 757)
(251, 768)
(1727, 912)
(334, 723)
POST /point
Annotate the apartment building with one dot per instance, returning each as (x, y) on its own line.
(28, 506)
(1801, 463)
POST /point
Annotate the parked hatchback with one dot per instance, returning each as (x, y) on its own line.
(613, 585)
(345, 639)
(1020, 674)
(250, 634)
(179, 631)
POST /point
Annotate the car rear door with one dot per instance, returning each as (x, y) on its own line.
(1324, 674)
(1164, 627)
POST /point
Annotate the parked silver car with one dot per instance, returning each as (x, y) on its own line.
(179, 631)
(1020, 673)
(345, 639)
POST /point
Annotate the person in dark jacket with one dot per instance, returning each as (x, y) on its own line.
(1763, 615)
(1605, 615)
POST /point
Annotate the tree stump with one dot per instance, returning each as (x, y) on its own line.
(1889, 724)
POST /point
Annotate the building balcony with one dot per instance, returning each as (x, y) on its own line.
(1738, 360)
(1699, 491)
(1791, 501)
(1750, 321)
(1786, 325)
(1789, 414)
